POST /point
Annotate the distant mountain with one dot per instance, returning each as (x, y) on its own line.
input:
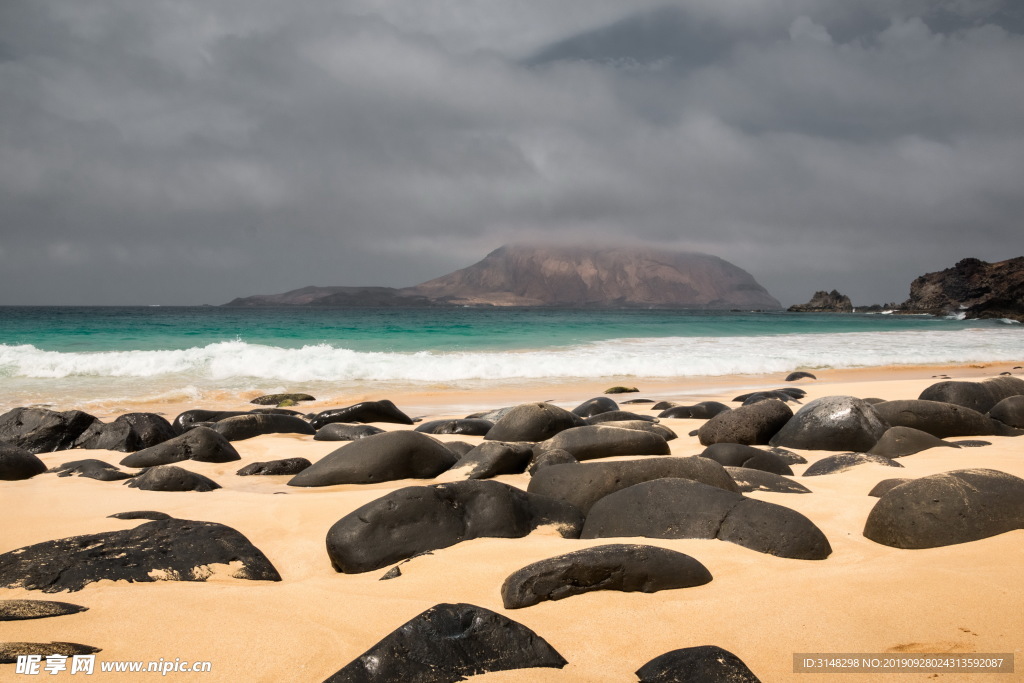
(974, 287)
(530, 275)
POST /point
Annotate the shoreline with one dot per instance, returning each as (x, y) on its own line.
(864, 598)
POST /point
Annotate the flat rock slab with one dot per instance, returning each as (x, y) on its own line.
(9, 652)
(705, 410)
(582, 485)
(243, 427)
(366, 411)
(948, 508)
(748, 480)
(833, 423)
(383, 457)
(18, 610)
(751, 425)
(597, 441)
(618, 416)
(468, 427)
(342, 431)
(290, 466)
(91, 468)
(834, 464)
(680, 508)
(901, 441)
(166, 550)
(18, 463)
(447, 643)
(705, 663)
(199, 443)
(416, 519)
(618, 567)
(140, 514)
(171, 478)
(643, 426)
(274, 399)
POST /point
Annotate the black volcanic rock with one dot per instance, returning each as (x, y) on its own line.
(492, 458)
(90, 468)
(468, 427)
(824, 302)
(748, 480)
(243, 427)
(979, 396)
(972, 286)
(364, 412)
(17, 463)
(739, 455)
(705, 410)
(171, 478)
(941, 419)
(832, 423)
(291, 466)
(900, 441)
(128, 433)
(199, 443)
(342, 431)
(595, 406)
(10, 651)
(19, 610)
(416, 519)
(841, 462)
(1009, 411)
(750, 425)
(381, 457)
(533, 422)
(447, 643)
(618, 567)
(39, 430)
(598, 441)
(167, 550)
(703, 664)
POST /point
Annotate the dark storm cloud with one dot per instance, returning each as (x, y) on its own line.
(191, 152)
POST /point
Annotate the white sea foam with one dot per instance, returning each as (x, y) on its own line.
(238, 362)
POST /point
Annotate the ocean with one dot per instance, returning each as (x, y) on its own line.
(79, 355)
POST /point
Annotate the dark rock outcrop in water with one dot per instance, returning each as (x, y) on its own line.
(527, 275)
(974, 287)
(825, 302)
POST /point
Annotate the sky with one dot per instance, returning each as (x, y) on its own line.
(193, 151)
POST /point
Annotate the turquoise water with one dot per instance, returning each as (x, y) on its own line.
(155, 353)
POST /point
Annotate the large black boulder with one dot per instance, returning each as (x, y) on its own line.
(739, 455)
(17, 463)
(941, 419)
(618, 416)
(416, 519)
(342, 431)
(948, 508)
(542, 459)
(290, 466)
(598, 441)
(199, 443)
(841, 462)
(978, 396)
(702, 664)
(595, 406)
(705, 410)
(167, 550)
(468, 427)
(582, 485)
(171, 478)
(900, 441)
(247, 426)
(184, 421)
(748, 480)
(618, 567)
(90, 468)
(680, 508)
(383, 457)
(492, 458)
(643, 426)
(753, 424)
(39, 430)
(367, 411)
(533, 422)
(19, 610)
(446, 643)
(129, 432)
(1009, 411)
(832, 423)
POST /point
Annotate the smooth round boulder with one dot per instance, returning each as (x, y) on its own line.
(748, 480)
(897, 442)
(941, 419)
(247, 426)
(533, 422)
(171, 478)
(706, 664)
(595, 406)
(491, 458)
(947, 509)
(417, 519)
(366, 411)
(468, 427)
(643, 426)
(383, 457)
(618, 567)
(832, 423)
(758, 396)
(617, 416)
(680, 508)
(90, 468)
(883, 487)
(705, 410)
(581, 485)
(1009, 411)
(739, 455)
(129, 432)
(342, 431)
(548, 458)
(750, 425)
(17, 464)
(185, 421)
(978, 396)
(290, 466)
(597, 441)
(834, 464)
(199, 443)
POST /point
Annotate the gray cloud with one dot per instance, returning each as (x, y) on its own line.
(197, 151)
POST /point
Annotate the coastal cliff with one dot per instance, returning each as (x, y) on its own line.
(521, 275)
(974, 287)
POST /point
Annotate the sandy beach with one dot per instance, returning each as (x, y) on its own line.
(864, 598)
